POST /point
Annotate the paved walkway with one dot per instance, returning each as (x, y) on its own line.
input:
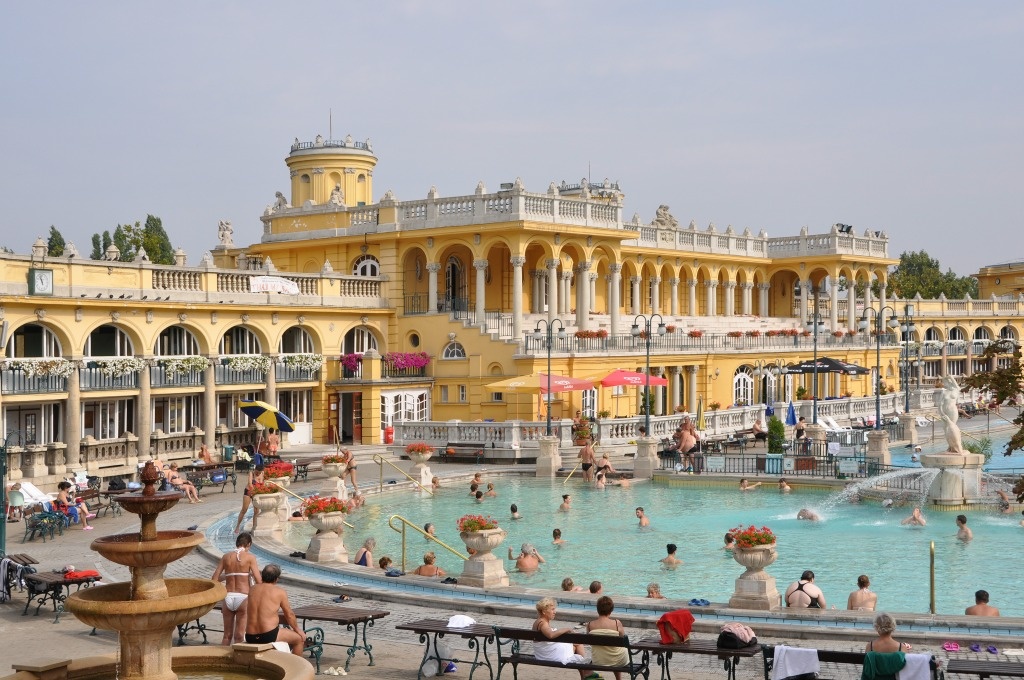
(37, 638)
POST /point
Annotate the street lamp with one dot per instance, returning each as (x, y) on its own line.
(763, 368)
(814, 325)
(646, 334)
(537, 335)
(894, 323)
(907, 331)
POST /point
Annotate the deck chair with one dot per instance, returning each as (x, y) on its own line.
(836, 427)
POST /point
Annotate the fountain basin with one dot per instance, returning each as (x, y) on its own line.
(141, 504)
(168, 546)
(110, 607)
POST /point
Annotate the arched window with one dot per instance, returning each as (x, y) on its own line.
(108, 341)
(296, 340)
(743, 386)
(366, 265)
(933, 335)
(358, 340)
(176, 341)
(33, 341)
(957, 334)
(982, 334)
(240, 340)
(1008, 332)
(454, 350)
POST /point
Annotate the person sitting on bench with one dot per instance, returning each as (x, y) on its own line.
(181, 484)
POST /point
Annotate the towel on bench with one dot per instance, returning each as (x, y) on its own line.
(85, 573)
(918, 667)
(882, 665)
(675, 626)
(794, 661)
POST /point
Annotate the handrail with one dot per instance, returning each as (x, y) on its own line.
(407, 523)
(571, 472)
(379, 460)
(288, 491)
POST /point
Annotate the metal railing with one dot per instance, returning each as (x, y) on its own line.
(379, 460)
(407, 524)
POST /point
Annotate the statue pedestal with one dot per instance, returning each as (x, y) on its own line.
(483, 569)
(959, 477)
(755, 588)
(422, 474)
(334, 486)
(816, 433)
(268, 523)
(878, 447)
(549, 461)
(327, 545)
(909, 424)
(646, 461)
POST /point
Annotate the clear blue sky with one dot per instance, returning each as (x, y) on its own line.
(905, 117)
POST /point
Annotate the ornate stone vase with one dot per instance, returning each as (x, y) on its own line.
(328, 522)
(267, 502)
(419, 458)
(483, 542)
(755, 558)
(483, 569)
(334, 470)
(283, 482)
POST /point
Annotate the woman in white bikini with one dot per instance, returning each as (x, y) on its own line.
(239, 569)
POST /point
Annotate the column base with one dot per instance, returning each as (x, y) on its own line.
(646, 461)
(759, 594)
(327, 547)
(550, 460)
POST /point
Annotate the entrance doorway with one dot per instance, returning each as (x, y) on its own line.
(350, 418)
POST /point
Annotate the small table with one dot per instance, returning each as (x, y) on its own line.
(429, 630)
(55, 588)
(356, 620)
(301, 470)
(664, 653)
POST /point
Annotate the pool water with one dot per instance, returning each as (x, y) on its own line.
(605, 543)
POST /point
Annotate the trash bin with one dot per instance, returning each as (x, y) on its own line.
(773, 464)
(229, 453)
(389, 435)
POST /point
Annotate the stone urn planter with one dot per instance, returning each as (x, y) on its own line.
(483, 569)
(334, 486)
(755, 588)
(334, 470)
(327, 545)
(419, 453)
(283, 482)
(267, 503)
(268, 522)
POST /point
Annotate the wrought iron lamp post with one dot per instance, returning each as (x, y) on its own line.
(814, 325)
(636, 331)
(894, 323)
(549, 327)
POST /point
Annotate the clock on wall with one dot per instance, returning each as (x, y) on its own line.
(40, 282)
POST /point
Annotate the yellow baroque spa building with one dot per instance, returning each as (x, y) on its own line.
(357, 315)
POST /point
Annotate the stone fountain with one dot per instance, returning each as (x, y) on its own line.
(959, 479)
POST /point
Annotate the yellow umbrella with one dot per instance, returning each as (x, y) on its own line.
(700, 423)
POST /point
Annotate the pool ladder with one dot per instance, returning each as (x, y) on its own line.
(379, 460)
(406, 524)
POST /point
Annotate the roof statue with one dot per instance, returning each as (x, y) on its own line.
(224, 233)
(663, 219)
(337, 196)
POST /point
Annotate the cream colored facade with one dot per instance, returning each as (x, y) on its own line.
(466, 279)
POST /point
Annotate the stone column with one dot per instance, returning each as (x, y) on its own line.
(730, 298)
(833, 301)
(968, 360)
(481, 290)
(144, 408)
(432, 269)
(635, 283)
(552, 289)
(878, 447)
(549, 459)
(659, 398)
(867, 295)
(805, 297)
(536, 288)
(675, 387)
(691, 389)
(909, 423)
(583, 288)
(73, 416)
(270, 391)
(851, 309)
(593, 292)
(564, 301)
(517, 297)
(614, 304)
(674, 296)
(881, 294)
(711, 298)
(762, 302)
(209, 403)
(691, 298)
(656, 295)
(748, 301)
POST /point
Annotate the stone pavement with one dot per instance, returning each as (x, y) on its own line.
(37, 638)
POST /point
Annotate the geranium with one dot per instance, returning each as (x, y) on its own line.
(318, 505)
(748, 537)
(754, 333)
(404, 360)
(184, 366)
(249, 362)
(263, 488)
(278, 470)
(735, 334)
(837, 334)
(350, 362)
(310, 363)
(792, 332)
(419, 447)
(476, 523)
(333, 458)
(696, 333)
(771, 334)
(121, 366)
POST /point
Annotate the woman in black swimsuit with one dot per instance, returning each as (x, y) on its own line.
(804, 594)
(255, 477)
(885, 626)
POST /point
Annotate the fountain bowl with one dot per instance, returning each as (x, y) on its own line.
(141, 504)
(110, 607)
(168, 547)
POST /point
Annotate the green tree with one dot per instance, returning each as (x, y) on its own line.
(776, 435)
(100, 245)
(156, 242)
(918, 272)
(55, 244)
(1003, 384)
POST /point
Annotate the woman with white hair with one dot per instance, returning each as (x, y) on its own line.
(364, 558)
(885, 626)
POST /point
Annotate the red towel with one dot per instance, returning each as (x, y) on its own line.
(86, 573)
(675, 626)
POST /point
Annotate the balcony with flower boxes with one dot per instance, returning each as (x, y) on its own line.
(242, 369)
(35, 375)
(291, 368)
(96, 376)
(185, 371)
(410, 366)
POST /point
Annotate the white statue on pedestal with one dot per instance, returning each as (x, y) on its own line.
(949, 413)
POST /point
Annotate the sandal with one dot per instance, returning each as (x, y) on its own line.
(951, 646)
(992, 649)
(975, 648)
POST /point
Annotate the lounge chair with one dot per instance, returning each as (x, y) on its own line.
(833, 425)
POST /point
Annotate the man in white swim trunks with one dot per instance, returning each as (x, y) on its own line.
(239, 569)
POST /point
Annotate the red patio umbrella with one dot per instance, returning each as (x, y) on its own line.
(621, 377)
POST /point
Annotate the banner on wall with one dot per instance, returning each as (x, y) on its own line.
(272, 284)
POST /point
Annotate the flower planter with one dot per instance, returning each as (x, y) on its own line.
(483, 569)
(328, 522)
(267, 502)
(283, 482)
(755, 588)
(268, 521)
(327, 545)
(755, 558)
(334, 470)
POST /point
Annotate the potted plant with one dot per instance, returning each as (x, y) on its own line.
(265, 496)
(801, 393)
(481, 533)
(604, 413)
(351, 362)
(280, 471)
(419, 452)
(325, 513)
(754, 333)
(696, 333)
(334, 465)
(735, 334)
(714, 405)
(755, 548)
(776, 435)
(582, 432)
(670, 328)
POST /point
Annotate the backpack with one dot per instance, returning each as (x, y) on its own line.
(116, 484)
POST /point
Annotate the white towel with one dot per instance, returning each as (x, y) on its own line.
(460, 621)
(790, 661)
(917, 667)
(281, 646)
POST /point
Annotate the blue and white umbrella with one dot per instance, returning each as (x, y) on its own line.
(791, 415)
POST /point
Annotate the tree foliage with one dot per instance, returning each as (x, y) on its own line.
(1003, 384)
(918, 272)
(130, 237)
(776, 435)
(55, 243)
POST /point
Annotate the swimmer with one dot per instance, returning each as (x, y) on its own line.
(566, 503)
(730, 542)
(479, 496)
(915, 519)
(654, 591)
(435, 483)
(491, 493)
(809, 515)
(473, 488)
(963, 532)
(429, 529)
(745, 486)
(599, 481)
(570, 587)
(556, 535)
(644, 521)
(1004, 502)
(784, 487)
(670, 560)
(528, 559)
(515, 512)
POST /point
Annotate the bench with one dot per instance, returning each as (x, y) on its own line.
(304, 467)
(430, 630)
(664, 652)
(829, 656)
(984, 669)
(44, 522)
(51, 587)
(217, 476)
(15, 568)
(508, 642)
(457, 452)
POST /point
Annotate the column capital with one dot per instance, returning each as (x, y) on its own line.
(730, 284)
(479, 265)
(675, 370)
(692, 283)
(635, 279)
(434, 267)
(746, 286)
(552, 264)
(583, 266)
(593, 276)
(674, 281)
(567, 275)
(763, 286)
(615, 268)
(655, 279)
(711, 284)
(518, 260)
(692, 370)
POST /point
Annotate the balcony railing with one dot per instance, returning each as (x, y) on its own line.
(226, 375)
(388, 370)
(160, 377)
(287, 373)
(682, 342)
(93, 378)
(15, 381)
(416, 303)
